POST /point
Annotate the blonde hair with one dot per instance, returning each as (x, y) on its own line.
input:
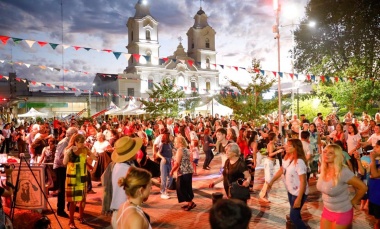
(182, 141)
(134, 179)
(338, 163)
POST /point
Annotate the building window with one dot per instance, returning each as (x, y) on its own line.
(208, 86)
(193, 85)
(208, 63)
(207, 43)
(131, 92)
(147, 34)
(132, 36)
(150, 84)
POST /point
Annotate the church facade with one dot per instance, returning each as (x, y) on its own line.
(192, 70)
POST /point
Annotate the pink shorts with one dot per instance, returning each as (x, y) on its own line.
(340, 218)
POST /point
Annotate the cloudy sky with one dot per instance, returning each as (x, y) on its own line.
(243, 31)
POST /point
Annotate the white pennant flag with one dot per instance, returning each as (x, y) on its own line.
(127, 55)
(23, 80)
(27, 65)
(65, 46)
(6, 77)
(2, 61)
(50, 68)
(30, 43)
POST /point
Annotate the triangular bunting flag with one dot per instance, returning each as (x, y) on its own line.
(281, 74)
(33, 82)
(262, 72)
(336, 79)
(341, 79)
(190, 62)
(42, 43)
(18, 79)
(117, 54)
(4, 39)
(308, 77)
(6, 77)
(76, 47)
(136, 56)
(147, 58)
(30, 43)
(27, 65)
(291, 75)
(182, 61)
(53, 46)
(323, 78)
(274, 73)
(1, 76)
(50, 68)
(42, 67)
(87, 49)
(62, 87)
(313, 77)
(65, 46)
(16, 40)
(236, 68)
(127, 56)
(222, 66)
(327, 78)
(107, 50)
(296, 75)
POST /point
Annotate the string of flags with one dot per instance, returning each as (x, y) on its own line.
(104, 94)
(292, 76)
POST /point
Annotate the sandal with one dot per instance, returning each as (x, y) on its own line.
(185, 206)
(193, 205)
(82, 220)
(72, 226)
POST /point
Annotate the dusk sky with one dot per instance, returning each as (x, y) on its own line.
(243, 31)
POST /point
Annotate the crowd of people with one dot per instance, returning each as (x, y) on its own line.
(337, 153)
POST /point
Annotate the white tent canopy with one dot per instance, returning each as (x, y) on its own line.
(213, 107)
(127, 109)
(33, 113)
(113, 108)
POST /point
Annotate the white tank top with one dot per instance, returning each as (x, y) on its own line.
(138, 209)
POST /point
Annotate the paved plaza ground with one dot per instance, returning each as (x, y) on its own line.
(168, 213)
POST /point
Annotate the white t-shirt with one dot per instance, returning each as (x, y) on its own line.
(292, 171)
(352, 142)
(373, 139)
(100, 147)
(307, 148)
(118, 193)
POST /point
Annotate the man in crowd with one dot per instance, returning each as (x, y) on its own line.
(60, 170)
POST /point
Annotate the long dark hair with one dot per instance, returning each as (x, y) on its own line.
(300, 153)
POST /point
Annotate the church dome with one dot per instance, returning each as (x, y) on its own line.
(200, 12)
(200, 19)
(142, 9)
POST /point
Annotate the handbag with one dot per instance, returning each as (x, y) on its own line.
(236, 188)
(238, 191)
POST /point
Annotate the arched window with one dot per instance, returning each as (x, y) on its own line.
(208, 86)
(192, 44)
(150, 84)
(208, 63)
(207, 43)
(147, 34)
(132, 36)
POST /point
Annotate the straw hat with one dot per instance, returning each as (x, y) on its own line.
(126, 148)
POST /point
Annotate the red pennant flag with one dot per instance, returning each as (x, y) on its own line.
(137, 57)
(42, 43)
(18, 79)
(291, 75)
(73, 89)
(4, 39)
(65, 70)
(105, 94)
(49, 85)
(256, 70)
(190, 62)
(323, 78)
(336, 79)
(165, 59)
(1, 76)
(85, 73)
(62, 87)
(235, 93)
(76, 47)
(274, 73)
(236, 68)
(33, 82)
(214, 65)
(308, 77)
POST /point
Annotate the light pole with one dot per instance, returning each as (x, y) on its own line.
(298, 83)
(277, 8)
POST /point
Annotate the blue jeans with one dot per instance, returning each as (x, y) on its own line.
(165, 169)
(295, 213)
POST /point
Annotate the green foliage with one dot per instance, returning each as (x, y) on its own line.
(356, 96)
(345, 41)
(164, 105)
(310, 107)
(249, 104)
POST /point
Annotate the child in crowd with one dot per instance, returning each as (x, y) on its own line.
(194, 149)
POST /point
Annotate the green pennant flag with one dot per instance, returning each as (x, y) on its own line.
(87, 49)
(117, 54)
(53, 45)
(16, 40)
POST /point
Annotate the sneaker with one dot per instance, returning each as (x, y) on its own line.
(165, 196)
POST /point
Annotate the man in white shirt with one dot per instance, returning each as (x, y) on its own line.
(373, 138)
(123, 156)
(308, 151)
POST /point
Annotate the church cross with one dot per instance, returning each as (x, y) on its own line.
(200, 3)
(180, 39)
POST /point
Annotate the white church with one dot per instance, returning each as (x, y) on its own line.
(191, 70)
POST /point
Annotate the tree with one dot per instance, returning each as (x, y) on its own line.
(345, 42)
(249, 103)
(164, 101)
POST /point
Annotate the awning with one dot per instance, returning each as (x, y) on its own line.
(81, 112)
(102, 112)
